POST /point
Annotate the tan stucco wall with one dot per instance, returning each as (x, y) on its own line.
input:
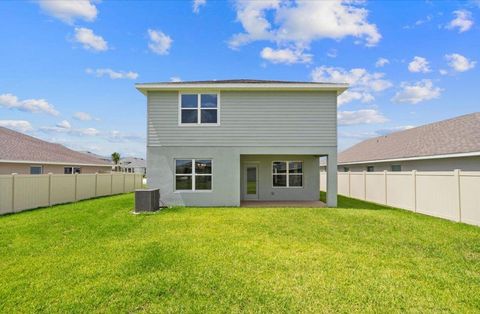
(9, 168)
(443, 164)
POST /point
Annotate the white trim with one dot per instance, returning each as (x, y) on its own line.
(287, 174)
(338, 87)
(471, 154)
(51, 163)
(198, 108)
(193, 175)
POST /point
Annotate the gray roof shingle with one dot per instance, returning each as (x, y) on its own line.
(456, 135)
(16, 146)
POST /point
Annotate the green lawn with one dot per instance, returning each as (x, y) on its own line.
(96, 256)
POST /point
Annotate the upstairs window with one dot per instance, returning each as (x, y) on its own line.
(287, 174)
(199, 109)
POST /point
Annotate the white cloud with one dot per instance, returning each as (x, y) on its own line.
(363, 116)
(463, 21)
(17, 125)
(419, 64)
(286, 56)
(69, 11)
(159, 43)
(197, 4)
(459, 63)
(64, 125)
(114, 75)
(394, 129)
(120, 137)
(65, 128)
(362, 83)
(10, 101)
(381, 62)
(418, 92)
(443, 72)
(89, 40)
(301, 22)
(332, 53)
(175, 79)
(84, 116)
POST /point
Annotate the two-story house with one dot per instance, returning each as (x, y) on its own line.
(216, 143)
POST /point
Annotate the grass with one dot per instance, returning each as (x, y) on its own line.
(95, 256)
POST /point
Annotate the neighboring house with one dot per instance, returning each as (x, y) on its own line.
(23, 154)
(104, 158)
(133, 164)
(216, 143)
(440, 146)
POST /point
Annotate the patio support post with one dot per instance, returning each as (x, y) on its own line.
(332, 179)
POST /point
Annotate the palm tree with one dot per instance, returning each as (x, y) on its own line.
(116, 159)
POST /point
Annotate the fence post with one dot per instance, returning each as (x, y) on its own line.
(349, 184)
(96, 183)
(134, 182)
(385, 183)
(414, 178)
(76, 186)
(111, 183)
(456, 176)
(364, 185)
(49, 189)
(124, 183)
(13, 191)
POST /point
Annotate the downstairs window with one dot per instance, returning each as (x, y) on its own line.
(193, 175)
(287, 174)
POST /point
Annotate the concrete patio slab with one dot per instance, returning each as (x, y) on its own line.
(312, 204)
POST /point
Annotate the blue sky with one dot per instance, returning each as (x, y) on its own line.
(68, 68)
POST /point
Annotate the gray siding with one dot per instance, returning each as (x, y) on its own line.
(249, 118)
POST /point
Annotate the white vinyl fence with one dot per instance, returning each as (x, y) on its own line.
(453, 195)
(22, 192)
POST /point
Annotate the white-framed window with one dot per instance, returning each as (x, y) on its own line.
(199, 109)
(287, 174)
(36, 169)
(71, 170)
(193, 175)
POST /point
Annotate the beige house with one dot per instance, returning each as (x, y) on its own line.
(23, 154)
(441, 146)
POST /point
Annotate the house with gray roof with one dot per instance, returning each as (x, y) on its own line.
(440, 146)
(24, 154)
(223, 142)
(133, 165)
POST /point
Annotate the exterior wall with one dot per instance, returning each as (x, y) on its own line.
(441, 164)
(265, 123)
(226, 170)
(21, 168)
(267, 192)
(249, 118)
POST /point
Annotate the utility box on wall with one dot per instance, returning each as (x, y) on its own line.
(147, 200)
